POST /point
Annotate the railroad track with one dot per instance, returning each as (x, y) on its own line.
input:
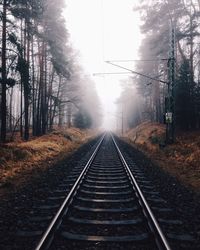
(105, 208)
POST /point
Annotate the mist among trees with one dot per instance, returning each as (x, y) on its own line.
(42, 84)
(157, 18)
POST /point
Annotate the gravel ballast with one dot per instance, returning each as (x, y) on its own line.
(184, 202)
(16, 207)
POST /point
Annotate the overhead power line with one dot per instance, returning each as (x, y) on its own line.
(137, 73)
(140, 60)
(110, 73)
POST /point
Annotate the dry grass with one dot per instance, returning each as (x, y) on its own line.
(147, 135)
(18, 159)
(182, 159)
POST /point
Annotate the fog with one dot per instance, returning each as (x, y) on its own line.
(102, 30)
(73, 62)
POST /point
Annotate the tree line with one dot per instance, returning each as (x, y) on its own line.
(157, 19)
(41, 80)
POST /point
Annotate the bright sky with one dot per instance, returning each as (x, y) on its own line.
(104, 30)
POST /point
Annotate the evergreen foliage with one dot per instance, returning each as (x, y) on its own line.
(41, 81)
(157, 19)
(82, 120)
(183, 97)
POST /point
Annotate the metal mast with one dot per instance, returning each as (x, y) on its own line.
(170, 100)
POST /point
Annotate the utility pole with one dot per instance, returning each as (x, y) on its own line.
(170, 100)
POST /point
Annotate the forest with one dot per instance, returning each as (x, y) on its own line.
(42, 84)
(145, 99)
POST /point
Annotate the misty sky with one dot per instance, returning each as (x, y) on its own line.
(104, 30)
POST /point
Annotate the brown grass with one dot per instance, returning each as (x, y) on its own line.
(182, 159)
(18, 159)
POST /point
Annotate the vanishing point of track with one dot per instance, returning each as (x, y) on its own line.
(105, 208)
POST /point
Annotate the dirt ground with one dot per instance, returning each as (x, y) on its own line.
(181, 159)
(19, 159)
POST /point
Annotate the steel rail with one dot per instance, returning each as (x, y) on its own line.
(161, 239)
(49, 233)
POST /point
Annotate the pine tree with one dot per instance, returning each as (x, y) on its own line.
(184, 99)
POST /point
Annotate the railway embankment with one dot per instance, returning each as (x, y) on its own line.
(180, 159)
(21, 160)
(32, 204)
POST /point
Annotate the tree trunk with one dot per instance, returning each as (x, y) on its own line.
(21, 86)
(33, 87)
(50, 100)
(26, 85)
(192, 105)
(4, 75)
(56, 102)
(69, 114)
(44, 87)
(10, 108)
(39, 92)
